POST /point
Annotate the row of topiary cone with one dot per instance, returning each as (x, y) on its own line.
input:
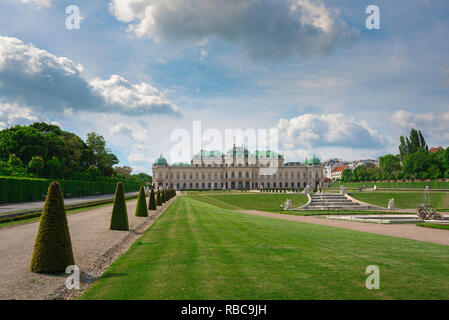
(53, 247)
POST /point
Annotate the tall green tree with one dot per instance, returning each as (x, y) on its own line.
(103, 158)
(36, 165)
(53, 167)
(389, 164)
(415, 143)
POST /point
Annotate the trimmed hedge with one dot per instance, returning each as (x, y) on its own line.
(53, 248)
(13, 189)
(158, 198)
(141, 208)
(119, 218)
(152, 201)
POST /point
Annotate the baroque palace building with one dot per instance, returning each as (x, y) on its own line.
(237, 169)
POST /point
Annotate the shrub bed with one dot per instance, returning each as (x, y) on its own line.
(13, 189)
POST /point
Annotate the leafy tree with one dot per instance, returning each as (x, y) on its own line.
(5, 169)
(124, 171)
(416, 164)
(103, 158)
(389, 164)
(14, 162)
(414, 144)
(36, 165)
(53, 166)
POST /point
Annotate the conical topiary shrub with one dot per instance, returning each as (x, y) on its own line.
(119, 218)
(152, 201)
(158, 198)
(163, 199)
(141, 208)
(53, 248)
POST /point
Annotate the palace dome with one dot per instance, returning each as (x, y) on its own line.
(161, 161)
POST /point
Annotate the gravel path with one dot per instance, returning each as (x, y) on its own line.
(91, 239)
(408, 231)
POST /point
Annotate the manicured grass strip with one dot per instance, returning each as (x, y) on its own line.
(255, 201)
(199, 251)
(433, 225)
(404, 200)
(410, 184)
(339, 212)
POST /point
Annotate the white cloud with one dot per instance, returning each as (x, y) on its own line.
(139, 158)
(117, 91)
(46, 83)
(313, 131)
(134, 132)
(264, 28)
(39, 3)
(12, 113)
(432, 124)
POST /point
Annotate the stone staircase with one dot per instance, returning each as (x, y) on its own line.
(334, 201)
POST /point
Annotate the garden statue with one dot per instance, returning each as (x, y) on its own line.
(391, 204)
(428, 213)
(287, 204)
(307, 190)
(375, 188)
(343, 190)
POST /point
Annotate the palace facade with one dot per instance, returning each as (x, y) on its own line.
(237, 169)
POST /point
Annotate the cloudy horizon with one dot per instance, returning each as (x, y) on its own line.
(137, 70)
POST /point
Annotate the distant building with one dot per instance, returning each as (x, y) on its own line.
(337, 172)
(237, 169)
(435, 149)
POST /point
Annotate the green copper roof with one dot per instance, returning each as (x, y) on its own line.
(208, 154)
(181, 164)
(160, 161)
(314, 160)
(266, 154)
(238, 152)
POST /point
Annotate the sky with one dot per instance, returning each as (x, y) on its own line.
(138, 71)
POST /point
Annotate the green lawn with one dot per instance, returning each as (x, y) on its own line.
(199, 251)
(251, 201)
(400, 185)
(434, 225)
(403, 199)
